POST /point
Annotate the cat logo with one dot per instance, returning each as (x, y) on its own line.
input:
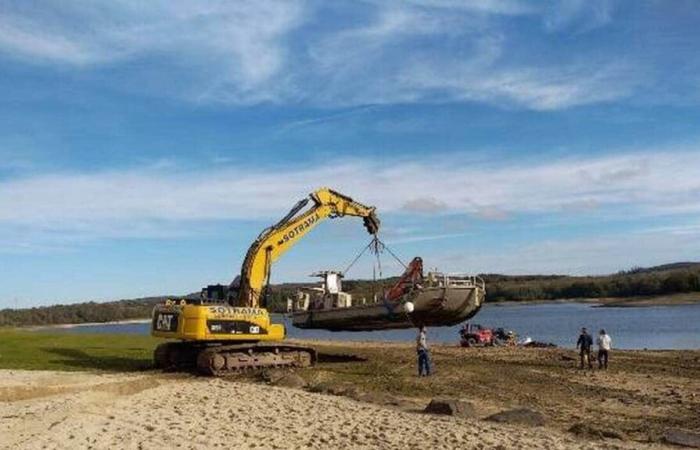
(165, 322)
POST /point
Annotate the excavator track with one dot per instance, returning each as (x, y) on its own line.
(233, 359)
(223, 360)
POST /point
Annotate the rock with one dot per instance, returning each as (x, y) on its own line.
(394, 401)
(538, 344)
(382, 398)
(319, 388)
(450, 407)
(366, 397)
(351, 392)
(520, 416)
(272, 375)
(682, 437)
(583, 429)
(341, 390)
(334, 389)
(290, 380)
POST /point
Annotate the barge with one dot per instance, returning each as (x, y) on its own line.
(437, 299)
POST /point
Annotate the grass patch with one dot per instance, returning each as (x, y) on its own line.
(390, 370)
(36, 350)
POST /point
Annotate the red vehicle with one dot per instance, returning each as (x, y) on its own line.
(474, 335)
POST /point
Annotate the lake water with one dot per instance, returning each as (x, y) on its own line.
(655, 327)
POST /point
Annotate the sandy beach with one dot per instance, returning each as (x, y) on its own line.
(359, 395)
(60, 410)
(52, 410)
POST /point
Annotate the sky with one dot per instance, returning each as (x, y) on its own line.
(144, 145)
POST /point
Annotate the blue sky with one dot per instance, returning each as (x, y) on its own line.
(143, 145)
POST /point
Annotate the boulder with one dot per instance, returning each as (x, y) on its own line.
(520, 416)
(378, 398)
(271, 375)
(450, 407)
(590, 431)
(682, 437)
(319, 388)
(339, 389)
(342, 390)
(290, 380)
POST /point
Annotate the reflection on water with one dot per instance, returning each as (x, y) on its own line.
(656, 327)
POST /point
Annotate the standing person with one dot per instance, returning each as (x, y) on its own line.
(423, 353)
(584, 343)
(604, 346)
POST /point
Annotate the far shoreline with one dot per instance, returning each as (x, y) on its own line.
(683, 299)
(689, 298)
(81, 324)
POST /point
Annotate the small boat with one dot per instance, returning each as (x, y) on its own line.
(437, 299)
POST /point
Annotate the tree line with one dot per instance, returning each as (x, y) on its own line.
(87, 312)
(636, 282)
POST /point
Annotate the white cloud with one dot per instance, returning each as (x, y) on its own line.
(506, 7)
(142, 200)
(425, 238)
(584, 14)
(23, 37)
(283, 52)
(490, 212)
(420, 54)
(579, 256)
(425, 205)
(213, 45)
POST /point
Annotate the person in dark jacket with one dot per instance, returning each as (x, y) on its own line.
(584, 344)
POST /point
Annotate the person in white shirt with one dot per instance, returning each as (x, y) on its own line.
(604, 346)
(424, 368)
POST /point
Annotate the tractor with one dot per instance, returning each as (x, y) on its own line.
(475, 335)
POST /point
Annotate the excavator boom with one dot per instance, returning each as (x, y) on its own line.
(274, 241)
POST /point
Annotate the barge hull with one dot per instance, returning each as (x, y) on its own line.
(432, 306)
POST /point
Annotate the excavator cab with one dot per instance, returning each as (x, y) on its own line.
(214, 293)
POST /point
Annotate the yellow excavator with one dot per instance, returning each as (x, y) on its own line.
(228, 328)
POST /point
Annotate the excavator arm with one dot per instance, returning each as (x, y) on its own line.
(274, 241)
(412, 276)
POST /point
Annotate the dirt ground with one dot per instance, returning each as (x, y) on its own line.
(640, 396)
